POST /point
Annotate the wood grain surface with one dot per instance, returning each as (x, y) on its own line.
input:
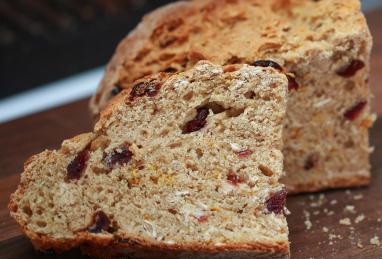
(326, 238)
(374, 20)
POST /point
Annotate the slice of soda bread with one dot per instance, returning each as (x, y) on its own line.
(326, 45)
(179, 166)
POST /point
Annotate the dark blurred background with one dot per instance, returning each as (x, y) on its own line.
(46, 40)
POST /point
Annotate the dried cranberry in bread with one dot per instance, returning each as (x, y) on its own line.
(325, 44)
(179, 166)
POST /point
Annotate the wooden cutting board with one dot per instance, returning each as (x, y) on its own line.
(306, 243)
(315, 229)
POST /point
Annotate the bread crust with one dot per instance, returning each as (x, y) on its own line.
(137, 248)
(360, 179)
(108, 246)
(131, 45)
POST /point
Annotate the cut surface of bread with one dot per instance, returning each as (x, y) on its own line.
(326, 45)
(178, 166)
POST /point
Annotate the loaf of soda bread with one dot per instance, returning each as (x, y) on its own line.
(182, 165)
(325, 45)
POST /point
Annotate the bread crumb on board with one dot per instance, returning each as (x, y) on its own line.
(375, 241)
(353, 217)
(307, 222)
(358, 197)
(334, 236)
(321, 200)
(359, 218)
(345, 221)
(350, 209)
(333, 202)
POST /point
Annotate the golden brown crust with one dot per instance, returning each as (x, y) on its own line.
(117, 247)
(138, 248)
(357, 179)
(131, 46)
(138, 42)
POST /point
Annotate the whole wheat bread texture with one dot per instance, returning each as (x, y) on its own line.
(326, 45)
(178, 166)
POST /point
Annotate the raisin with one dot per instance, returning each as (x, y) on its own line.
(172, 211)
(267, 63)
(244, 153)
(292, 83)
(77, 166)
(234, 178)
(138, 90)
(116, 90)
(355, 111)
(150, 89)
(276, 202)
(202, 114)
(118, 156)
(194, 125)
(351, 69)
(100, 222)
(310, 162)
(197, 123)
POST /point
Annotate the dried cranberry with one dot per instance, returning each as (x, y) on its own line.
(355, 111)
(138, 90)
(267, 63)
(119, 156)
(197, 123)
(276, 202)
(244, 153)
(150, 88)
(292, 83)
(201, 219)
(77, 166)
(351, 69)
(194, 125)
(172, 211)
(202, 114)
(234, 178)
(100, 222)
(116, 90)
(310, 162)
